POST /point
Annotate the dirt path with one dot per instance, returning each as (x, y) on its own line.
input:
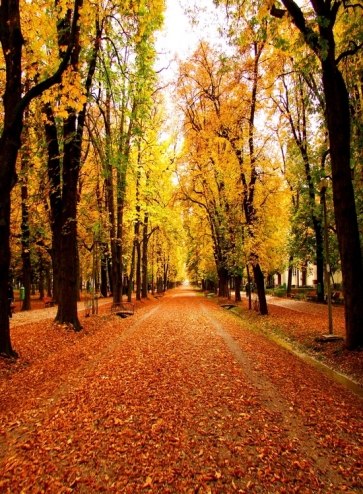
(179, 398)
(306, 307)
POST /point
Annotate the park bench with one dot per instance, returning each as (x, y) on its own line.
(48, 302)
(311, 296)
(123, 309)
(297, 295)
(336, 298)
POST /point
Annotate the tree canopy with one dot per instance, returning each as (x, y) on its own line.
(117, 181)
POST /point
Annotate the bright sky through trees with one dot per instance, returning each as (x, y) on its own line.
(186, 23)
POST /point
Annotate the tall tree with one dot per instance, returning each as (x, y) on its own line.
(66, 174)
(14, 105)
(317, 27)
(293, 101)
(221, 100)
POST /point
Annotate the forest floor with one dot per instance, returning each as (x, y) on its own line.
(184, 396)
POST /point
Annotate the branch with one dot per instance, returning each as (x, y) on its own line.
(323, 158)
(152, 231)
(57, 76)
(352, 5)
(347, 53)
(275, 12)
(90, 249)
(310, 36)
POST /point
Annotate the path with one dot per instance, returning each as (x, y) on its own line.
(182, 398)
(303, 306)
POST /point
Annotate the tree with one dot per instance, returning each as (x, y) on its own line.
(318, 30)
(14, 105)
(296, 106)
(225, 166)
(125, 81)
(65, 175)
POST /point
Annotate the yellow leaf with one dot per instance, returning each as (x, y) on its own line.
(148, 482)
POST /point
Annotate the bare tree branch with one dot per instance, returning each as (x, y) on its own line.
(348, 53)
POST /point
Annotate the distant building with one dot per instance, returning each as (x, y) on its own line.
(302, 277)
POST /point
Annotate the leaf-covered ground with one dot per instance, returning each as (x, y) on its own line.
(302, 324)
(182, 397)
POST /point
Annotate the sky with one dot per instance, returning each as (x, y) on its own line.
(178, 36)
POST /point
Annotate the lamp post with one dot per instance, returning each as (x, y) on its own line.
(323, 187)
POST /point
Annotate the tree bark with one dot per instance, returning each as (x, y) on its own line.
(159, 284)
(237, 289)
(299, 132)
(137, 231)
(289, 277)
(68, 286)
(11, 40)
(223, 289)
(260, 282)
(132, 269)
(54, 177)
(48, 282)
(138, 271)
(338, 118)
(104, 270)
(25, 235)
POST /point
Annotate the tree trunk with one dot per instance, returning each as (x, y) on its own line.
(115, 228)
(109, 270)
(237, 289)
(131, 277)
(248, 292)
(259, 279)
(338, 118)
(289, 277)
(25, 239)
(5, 342)
(48, 282)
(41, 283)
(300, 135)
(165, 276)
(11, 41)
(223, 290)
(13, 109)
(319, 260)
(68, 278)
(145, 241)
(138, 271)
(159, 284)
(72, 145)
(79, 290)
(104, 270)
(54, 176)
